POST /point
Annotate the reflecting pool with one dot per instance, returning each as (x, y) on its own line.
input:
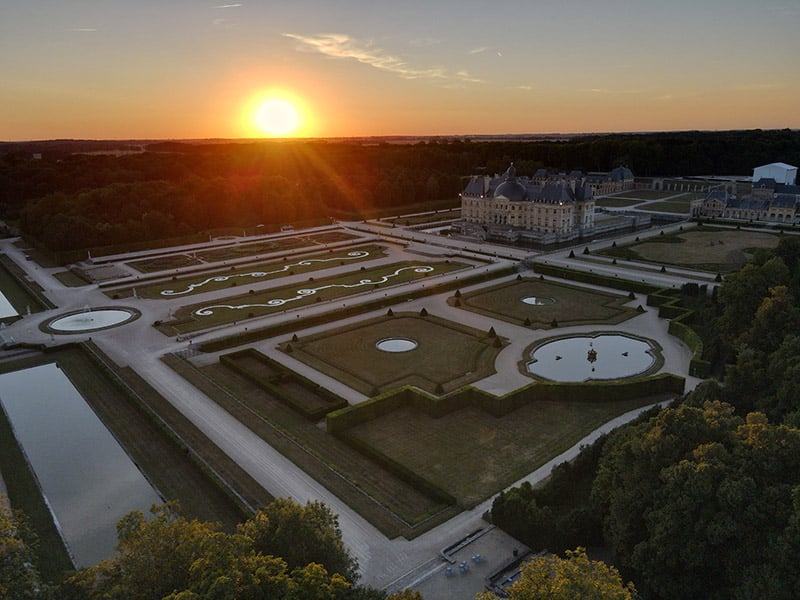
(86, 477)
(601, 356)
(6, 309)
(396, 345)
(89, 320)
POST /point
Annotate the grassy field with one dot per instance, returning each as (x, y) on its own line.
(255, 304)
(646, 194)
(448, 355)
(572, 306)
(615, 202)
(472, 455)
(383, 499)
(253, 273)
(715, 250)
(669, 206)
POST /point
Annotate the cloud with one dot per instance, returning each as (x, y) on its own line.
(478, 50)
(226, 6)
(340, 45)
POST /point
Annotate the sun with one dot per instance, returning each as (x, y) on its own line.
(277, 117)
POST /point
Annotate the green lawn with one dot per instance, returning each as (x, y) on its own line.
(647, 194)
(706, 248)
(196, 317)
(573, 305)
(472, 455)
(448, 355)
(669, 206)
(616, 202)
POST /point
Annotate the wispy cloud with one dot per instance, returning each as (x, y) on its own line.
(478, 50)
(340, 45)
(226, 6)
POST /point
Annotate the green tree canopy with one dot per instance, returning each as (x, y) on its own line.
(697, 499)
(553, 578)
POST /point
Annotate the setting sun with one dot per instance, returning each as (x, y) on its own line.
(277, 117)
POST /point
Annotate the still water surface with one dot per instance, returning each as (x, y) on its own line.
(86, 477)
(6, 309)
(567, 359)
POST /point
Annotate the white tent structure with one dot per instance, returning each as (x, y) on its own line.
(779, 172)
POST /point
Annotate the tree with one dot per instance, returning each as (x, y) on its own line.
(301, 535)
(696, 499)
(553, 578)
(169, 556)
(18, 577)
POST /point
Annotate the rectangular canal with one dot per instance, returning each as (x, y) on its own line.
(85, 476)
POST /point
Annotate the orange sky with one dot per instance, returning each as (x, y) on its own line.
(130, 69)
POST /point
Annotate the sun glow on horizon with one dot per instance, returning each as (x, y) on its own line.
(276, 114)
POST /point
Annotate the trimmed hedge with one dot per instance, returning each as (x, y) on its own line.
(595, 278)
(599, 391)
(668, 303)
(327, 401)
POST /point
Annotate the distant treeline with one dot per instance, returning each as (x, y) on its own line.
(69, 201)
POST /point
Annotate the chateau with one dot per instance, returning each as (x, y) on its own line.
(773, 197)
(546, 208)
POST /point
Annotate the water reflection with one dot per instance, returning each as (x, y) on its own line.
(86, 477)
(581, 358)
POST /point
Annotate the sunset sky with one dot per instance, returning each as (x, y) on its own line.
(194, 69)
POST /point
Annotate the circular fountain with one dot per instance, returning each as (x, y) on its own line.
(396, 345)
(90, 319)
(538, 300)
(594, 356)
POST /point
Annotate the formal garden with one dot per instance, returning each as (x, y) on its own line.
(260, 303)
(545, 304)
(217, 278)
(378, 355)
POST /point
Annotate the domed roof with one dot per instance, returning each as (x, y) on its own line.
(511, 189)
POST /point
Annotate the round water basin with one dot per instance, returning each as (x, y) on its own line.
(600, 356)
(90, 320)
(396, 345)
(538, 301)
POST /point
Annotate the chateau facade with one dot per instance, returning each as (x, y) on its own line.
(556, 205)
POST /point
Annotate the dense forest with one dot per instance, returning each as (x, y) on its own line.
(67, 200)
(702, 499)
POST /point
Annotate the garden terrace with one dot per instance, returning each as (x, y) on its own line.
(571, 305)
(391, 503)
(447, 355)
(217, 279)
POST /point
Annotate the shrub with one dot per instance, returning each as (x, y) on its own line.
(554, 323)
(571, 254)
(586, 250)
(390, 313)
(423, 312)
